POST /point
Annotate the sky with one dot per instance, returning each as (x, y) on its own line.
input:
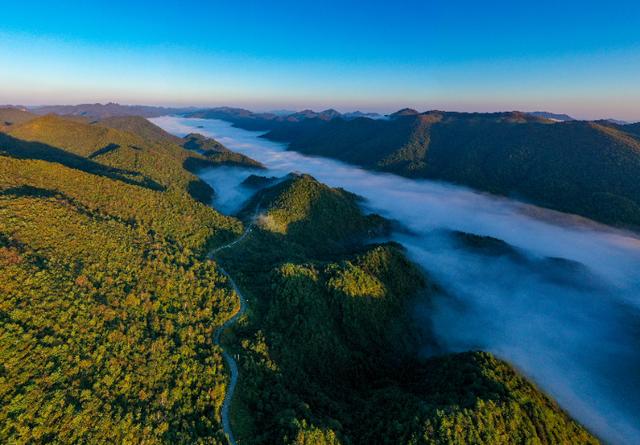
(576, 57)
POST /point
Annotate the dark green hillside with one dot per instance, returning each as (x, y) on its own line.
(579, 167)
(108, 305)
(327, 352)
(316, 218)
(216, 153)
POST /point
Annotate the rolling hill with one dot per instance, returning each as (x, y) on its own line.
(327, 353)
(101, 111)
(10, 116)
(109, 304)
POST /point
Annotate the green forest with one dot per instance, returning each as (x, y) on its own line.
(328, 353)
(110, 304)
(583, 167)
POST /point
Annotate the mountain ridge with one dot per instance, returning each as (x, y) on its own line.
(580, 167)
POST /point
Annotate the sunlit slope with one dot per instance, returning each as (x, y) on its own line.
(319, 219)
(108, 307)
(587, 168)
(160, 162)
(328, 353)
(140, 126)
(204, 152)
(10, 116)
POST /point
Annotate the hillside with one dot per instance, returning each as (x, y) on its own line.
(327, 351)
(313, 218)
(10, 116)
(140, 126)
(101, 111)
(159, 163)
(108, 305)
(133, 146)
(579, 167)
(217, 153)
(212, 152)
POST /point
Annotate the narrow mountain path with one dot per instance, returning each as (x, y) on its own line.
(231, 362)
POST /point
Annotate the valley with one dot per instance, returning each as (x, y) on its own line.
(267, 296)
(319, 223)
(475, 311)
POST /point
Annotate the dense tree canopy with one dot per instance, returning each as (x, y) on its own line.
(108, 306)
(587, 168)
(328, 351)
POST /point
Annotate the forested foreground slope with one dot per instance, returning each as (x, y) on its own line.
(328, 350)
(108, 306)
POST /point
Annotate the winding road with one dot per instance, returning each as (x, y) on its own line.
(231, 362)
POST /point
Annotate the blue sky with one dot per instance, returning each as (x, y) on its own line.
(580, 57)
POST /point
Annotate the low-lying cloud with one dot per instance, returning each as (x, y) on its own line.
(574, 330)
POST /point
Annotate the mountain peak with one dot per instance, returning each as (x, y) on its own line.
(404, 112)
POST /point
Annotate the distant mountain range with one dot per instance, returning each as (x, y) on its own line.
(583, 167)
(100, 111)
(552, 116)
(267, 120)
(588, 168)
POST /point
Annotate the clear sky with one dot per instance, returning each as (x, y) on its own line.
(576, 56)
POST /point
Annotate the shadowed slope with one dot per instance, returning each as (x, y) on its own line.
(162, 162)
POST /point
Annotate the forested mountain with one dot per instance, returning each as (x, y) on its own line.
(108, 304)
(587, 168)
(581, 167)
(101, 111)
(327, 352)
(216, 152)
(10, 116)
